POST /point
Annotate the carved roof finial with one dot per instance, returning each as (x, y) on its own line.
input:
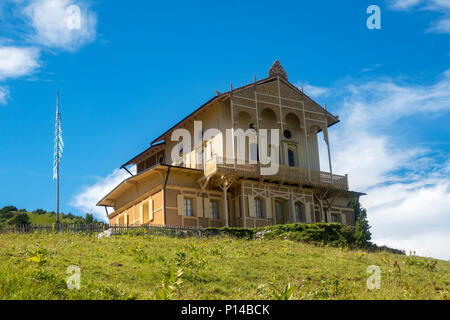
(277, 70)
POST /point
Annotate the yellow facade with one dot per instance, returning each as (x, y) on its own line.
(209, 193)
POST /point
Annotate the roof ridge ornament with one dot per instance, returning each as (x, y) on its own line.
(277, 70)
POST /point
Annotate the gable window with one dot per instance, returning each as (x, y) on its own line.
(291, 158)
(188, 212)
(258, 208)
(298, 212)
(214, 209)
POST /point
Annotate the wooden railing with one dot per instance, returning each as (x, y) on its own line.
(289, 174)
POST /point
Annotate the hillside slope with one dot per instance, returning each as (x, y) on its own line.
(10, 215)
(34, 266)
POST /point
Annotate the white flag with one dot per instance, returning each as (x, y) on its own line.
(59, 144)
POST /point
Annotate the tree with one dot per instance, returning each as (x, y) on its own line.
(39, 211)
(362, 231)
(89, 218)
(8, 209)
(19, 218)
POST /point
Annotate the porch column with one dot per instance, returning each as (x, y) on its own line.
(225, 206)
(327, 141)
(225, 184)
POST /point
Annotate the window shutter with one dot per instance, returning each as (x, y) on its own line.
(251, 206)
(269, 208)
(150, 209)
(237, 211)
(308, 212)
(344, 219)
(141, 212)
(180, 204)
(294, 212)
(206, 207)
(199, 207)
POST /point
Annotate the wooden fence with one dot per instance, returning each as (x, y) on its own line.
(100, 227)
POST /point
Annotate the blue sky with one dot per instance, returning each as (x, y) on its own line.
(134, 69)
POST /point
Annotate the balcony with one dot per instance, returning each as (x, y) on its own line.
(219, 166)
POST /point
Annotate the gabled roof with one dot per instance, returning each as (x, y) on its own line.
(148, 150)
(227, 94)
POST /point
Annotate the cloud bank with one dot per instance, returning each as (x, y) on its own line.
(57, 24)
(44, 25)
(407, 185)
(88, 197)
(17, 62)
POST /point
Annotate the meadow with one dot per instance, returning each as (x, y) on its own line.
(34, 266)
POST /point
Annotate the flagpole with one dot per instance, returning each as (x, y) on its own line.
(57, 163)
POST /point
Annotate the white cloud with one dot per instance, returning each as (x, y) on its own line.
(442, 25)
(51, 22)
(4, 95)
(17, 62)
(408, 210)
(87, 199)
(405, 4)
(314, 91)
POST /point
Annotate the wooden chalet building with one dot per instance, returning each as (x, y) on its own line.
(210, 193)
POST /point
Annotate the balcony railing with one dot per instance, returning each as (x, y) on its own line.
(288, 174)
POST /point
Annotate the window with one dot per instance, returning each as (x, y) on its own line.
(254, 156)
(291, 158)
(298, 212)
(279, 211)
(188, 207)
(334, 218)
(214, 209)
(258, 208)
(287, 134)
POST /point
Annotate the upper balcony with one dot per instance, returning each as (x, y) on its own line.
(286, 174)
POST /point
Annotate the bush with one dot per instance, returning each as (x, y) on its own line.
(321, 233)
(19, 219)
(233, 232)
(8, 209)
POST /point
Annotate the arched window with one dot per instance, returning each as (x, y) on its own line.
(268, 116)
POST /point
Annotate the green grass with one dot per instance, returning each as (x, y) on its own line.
(48, 218)
(145, 267)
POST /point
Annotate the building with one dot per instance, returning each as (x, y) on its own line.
(200, 187)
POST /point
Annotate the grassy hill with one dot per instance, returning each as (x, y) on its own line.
(10, 215)
(33, 266)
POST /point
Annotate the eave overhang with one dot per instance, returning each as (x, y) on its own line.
(109, 199)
